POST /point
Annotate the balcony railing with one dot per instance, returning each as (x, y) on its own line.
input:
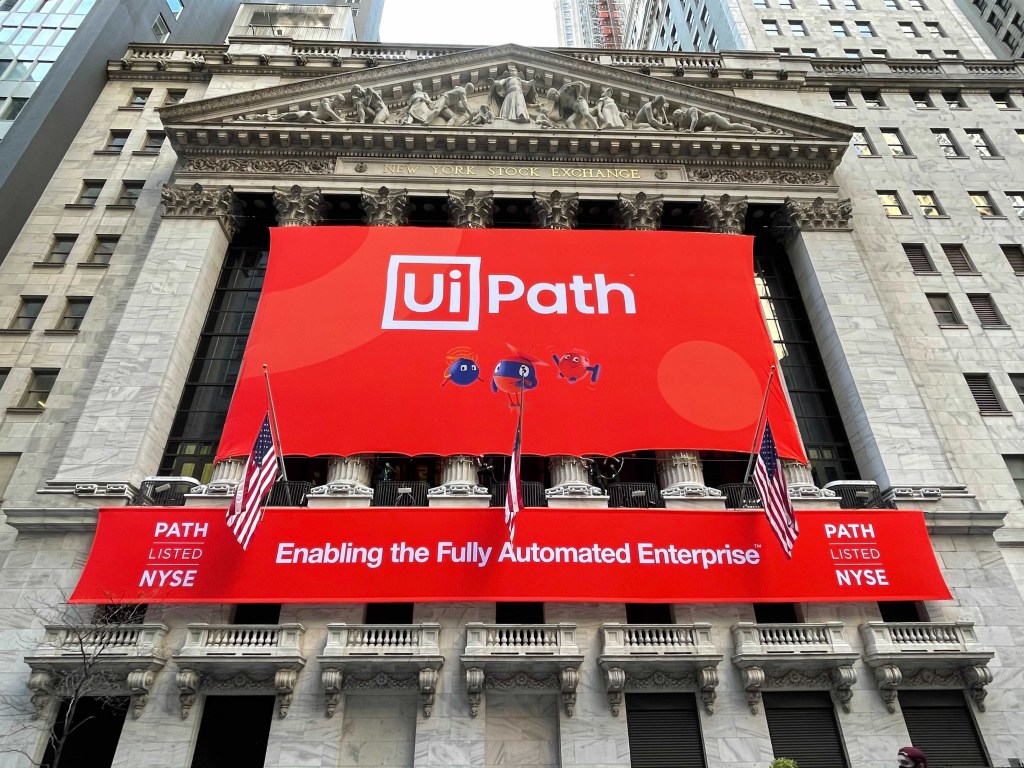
(533, 494)
(634, 496)
(657, 639)
(521, 639)
(382, 639)
(790, 638)
(242, 640)
(859, 494)
(740, 496)
(400, 493)
(91, 641)
(919, 637)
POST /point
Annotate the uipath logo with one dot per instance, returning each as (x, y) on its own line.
(443, 293)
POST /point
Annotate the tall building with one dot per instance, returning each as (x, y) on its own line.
(422, 244)
(590, 23)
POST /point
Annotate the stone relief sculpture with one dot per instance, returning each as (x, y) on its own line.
(483, 116)
(452, 105)
(608, 113)
(693, 120)
(510, 94)
(418, 109)
(651, 116)
(326, 112)
(570, 104)
(369, 105)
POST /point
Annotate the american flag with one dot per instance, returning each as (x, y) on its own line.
(514, 494)
(771, 484)
(246, 508)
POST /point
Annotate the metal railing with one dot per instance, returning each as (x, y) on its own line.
(740, 496)
(533, 494)
(289, 493)
(634, 495)
(400, 493)
(859, 494)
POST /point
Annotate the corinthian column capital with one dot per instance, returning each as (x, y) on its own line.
(386, 208)
(299, 208)
(197, 202)
(724, 216)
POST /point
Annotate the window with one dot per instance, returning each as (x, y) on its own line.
(4, 373)
(797, 29)
(841, 98)
(826, 5)
(1016, 466)
(980, 142)
(958, 259)
(921, 99)
(897, 611)
(664, 729)
(116, 141)
(984, 307)
(649, 613)
(943, 309)
(883, 52)
(941, 725)
(257, 613)
(926, 53)
(39, 388)
(946, 143)
(851, 53)
(919, 259)
(864, 29)
(776, 613)
(782, 51)
(154, 140)
(139, 97)
(908, 29)
(91, 189)
(130, 191)
(103, 249)
(216, 743)
(894, 140)
(176, 7)
(1020, 134)
(28, 311)
(891, 204)
(13, 108)
(160, 29)
(934, 29)
(771, 28)
(1017, 201)
(917, 5)
(851, 5)
(873, 98)
(838, 28)
(60, 249)
(893, 5)
(90, 732)
(74, 311)
(388, 613)
(792, 716)
(174, 96)
(953, 100)
(813, 52)
(983, 204)
(1002, 100)
(985, 394)
(929, 204)
(861, 145)
(760, 3)
(1015, 256)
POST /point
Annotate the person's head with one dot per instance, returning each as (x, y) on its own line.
(911, 757)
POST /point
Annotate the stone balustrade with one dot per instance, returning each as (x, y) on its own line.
(347, 640)
(242, 640)
(521, 639)
(657, 639)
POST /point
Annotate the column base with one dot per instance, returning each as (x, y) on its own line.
(692, 496)
(339, 496)
(461, 495)
(806, 496)
(217, 495)
(576, 496)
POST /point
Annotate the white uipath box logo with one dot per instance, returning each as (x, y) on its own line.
(455, 301)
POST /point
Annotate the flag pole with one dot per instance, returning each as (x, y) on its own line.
(757, 429)
(273, 424)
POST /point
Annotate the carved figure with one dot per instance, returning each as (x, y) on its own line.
(483, 116)
(570, 103)
(652, 115)
(692, 120)
(419, 107)
(510, 95)
(452, 105)
(368, 105)
(608, 114)
(325, 112)
(543, 120)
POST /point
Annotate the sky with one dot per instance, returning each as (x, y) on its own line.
(469, 22)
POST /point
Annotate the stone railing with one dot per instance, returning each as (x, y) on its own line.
(102, 639)
(242, 640)
(828, 637)
(657, 639)
(521, 639)
(382, 639)
(918, 637)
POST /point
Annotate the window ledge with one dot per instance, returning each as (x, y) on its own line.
(933, 218)
(956, 157)
(992, 157)
(15, 331)
(1008, 109)
(120, 207)
(999, 327)
(932, 273)
(113, 152)
(870, 156)
(145, 153)
(27, 411)
(49, 264)
(946, 326)
(91, 265)
(994, 218)
(973, 273)
(80, 206)
(60, 332)
(905, 157)
(996, 413)
(927, 109)
(844, 106)
(131, 109)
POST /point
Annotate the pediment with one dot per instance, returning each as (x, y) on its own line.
(491, 94)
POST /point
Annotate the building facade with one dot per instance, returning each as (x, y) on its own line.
(883, 204)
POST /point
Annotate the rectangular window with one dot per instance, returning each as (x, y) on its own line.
(941, 725)
(921, 99)
(116, 141)
(840, 98)
(908, 29)
(797, 29)
(91, 189)
(792, 716)
(864, 29)
(174, 96)
(894, 141)
(934, 29)
(217, 744)
(958, 259)
(1002, 100)
(861, 145)
(39, 388)
(130, 191)
(944, 310)
(826, 5)
(983, 204)
(103, 249)
(980, 142)
(1017, 201)
(1015, 257)
(984, 393)
(944, 139)
(851, 5)
(90, 734)
(883, 52)
(760, 3)
(917, 5)
(953, 100)
(919, 259)
(74, 311)
(892, 5)
(838, 28)
(891, 203)
(60, 249)
(139, 97)
(160, 29)
(664, 729)
(1015, 464)
(985, 308)
(154, 140)
(771, 28)
(929, 204)
(28, 311)
(812, 52)
(926, 53)
(951, 53)
(872, 98)
(175, 7)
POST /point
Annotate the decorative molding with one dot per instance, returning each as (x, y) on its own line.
(385, 208)
(640, 211)
(555, 210)
(196, 202)
(726, 216)
(818, 215)
(299, 208)
(291, 166)
(767, 176)
(470, 209)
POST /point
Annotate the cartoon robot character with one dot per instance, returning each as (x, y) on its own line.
(574, 366)
(514, 375)
(462, 367)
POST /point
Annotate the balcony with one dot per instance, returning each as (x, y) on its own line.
(859, 494)
(97, 660)
(522, 657)
(381, 657)
(937, 654)
(659, 657)
(808, 656)
(249, 658)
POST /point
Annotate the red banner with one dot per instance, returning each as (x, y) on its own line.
(422, 341)
(185, 555)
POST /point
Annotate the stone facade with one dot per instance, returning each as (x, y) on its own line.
(897, 375)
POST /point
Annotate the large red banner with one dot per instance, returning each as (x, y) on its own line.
(184, 555)
(423, 341)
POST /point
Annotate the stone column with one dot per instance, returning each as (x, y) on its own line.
(470, 209)
(348, 483)
(297, 207)
(459, 484)
(724, 216)
(570, 475)
(802, 490)
(121, 432)
(681, 477)
(640, 211)
(385, 208)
